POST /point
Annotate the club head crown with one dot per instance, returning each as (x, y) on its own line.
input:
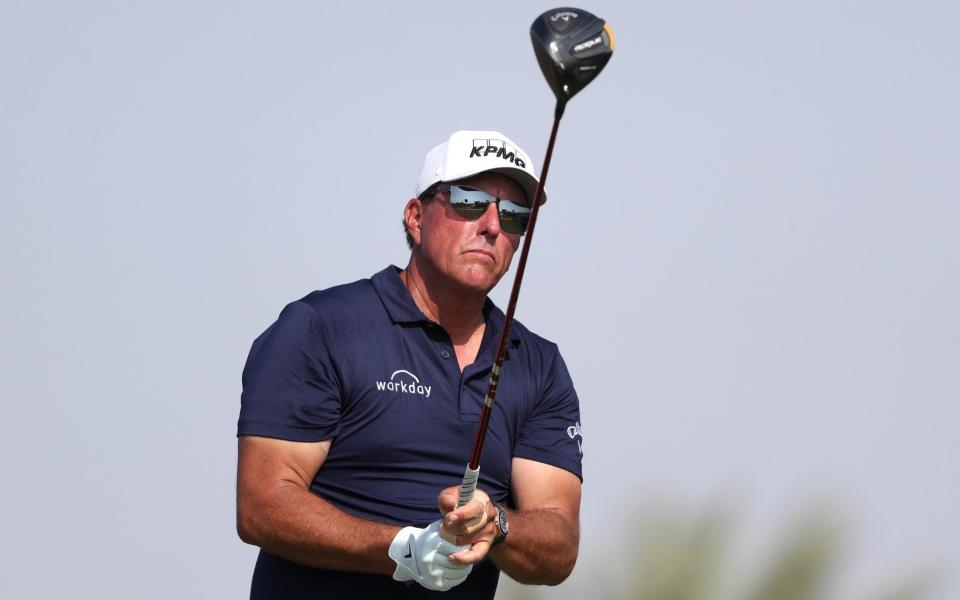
(572, 47)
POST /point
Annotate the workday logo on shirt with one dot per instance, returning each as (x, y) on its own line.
(404, 382)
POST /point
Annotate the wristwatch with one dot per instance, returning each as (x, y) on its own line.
(500, 520)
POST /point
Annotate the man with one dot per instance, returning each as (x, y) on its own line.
(360, 405)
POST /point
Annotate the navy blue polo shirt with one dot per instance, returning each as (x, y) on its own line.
(360, 365)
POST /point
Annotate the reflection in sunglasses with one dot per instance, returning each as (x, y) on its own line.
(471, 203)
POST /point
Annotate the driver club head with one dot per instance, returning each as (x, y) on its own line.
(572, 47)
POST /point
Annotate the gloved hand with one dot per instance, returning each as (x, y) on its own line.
(423, 556)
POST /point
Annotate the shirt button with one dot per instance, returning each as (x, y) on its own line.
(445, 354)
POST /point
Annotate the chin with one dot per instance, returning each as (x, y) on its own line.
(478, 278)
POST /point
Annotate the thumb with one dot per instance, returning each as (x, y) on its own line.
(447, 500)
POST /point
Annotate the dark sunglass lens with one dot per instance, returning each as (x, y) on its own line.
(513, 217)
(468, 202)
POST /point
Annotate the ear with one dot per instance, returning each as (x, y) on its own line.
(412, 216)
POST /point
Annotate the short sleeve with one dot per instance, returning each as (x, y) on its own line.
(552, 434)
(291, 390)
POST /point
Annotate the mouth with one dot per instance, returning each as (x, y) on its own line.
(481, 252)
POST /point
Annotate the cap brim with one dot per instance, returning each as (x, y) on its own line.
(526, 181)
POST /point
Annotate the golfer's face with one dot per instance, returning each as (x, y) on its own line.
(477, 253)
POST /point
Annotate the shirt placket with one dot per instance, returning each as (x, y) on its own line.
(442, 348)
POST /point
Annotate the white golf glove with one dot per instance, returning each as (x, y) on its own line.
(423, 556)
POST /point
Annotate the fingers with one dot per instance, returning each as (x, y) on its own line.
(444, 561)
(487, 533)
(468, 512)
(469, 518)
(447, 500)
(469, 549)
(475, 554)
(422, 555)
(447, 535)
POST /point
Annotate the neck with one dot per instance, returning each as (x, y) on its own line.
(457, 309)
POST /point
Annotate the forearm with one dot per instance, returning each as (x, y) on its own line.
(541, 547)
(294, 523)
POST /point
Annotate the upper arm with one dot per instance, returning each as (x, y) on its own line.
(539, 486)
(268, 462)
(289, 414)
(265, 466)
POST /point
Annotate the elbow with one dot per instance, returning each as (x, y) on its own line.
(549, 574)
(563, 576)
(248, 527)
(245, 531)
(561, 573)
(563, 565)
(544, 578)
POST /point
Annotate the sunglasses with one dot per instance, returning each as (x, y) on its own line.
(470, 203)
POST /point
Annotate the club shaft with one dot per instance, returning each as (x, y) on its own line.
(474, 464)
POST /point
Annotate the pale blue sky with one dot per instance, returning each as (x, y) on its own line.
(749, 257)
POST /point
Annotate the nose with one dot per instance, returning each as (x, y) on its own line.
(489, 222)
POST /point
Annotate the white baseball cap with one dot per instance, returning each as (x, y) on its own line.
(467, 153)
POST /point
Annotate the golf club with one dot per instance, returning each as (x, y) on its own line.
(572, 47)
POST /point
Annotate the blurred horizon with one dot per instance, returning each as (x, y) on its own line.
(679, 552)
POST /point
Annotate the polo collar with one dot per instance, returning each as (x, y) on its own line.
(400, 306)
(396, 297)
